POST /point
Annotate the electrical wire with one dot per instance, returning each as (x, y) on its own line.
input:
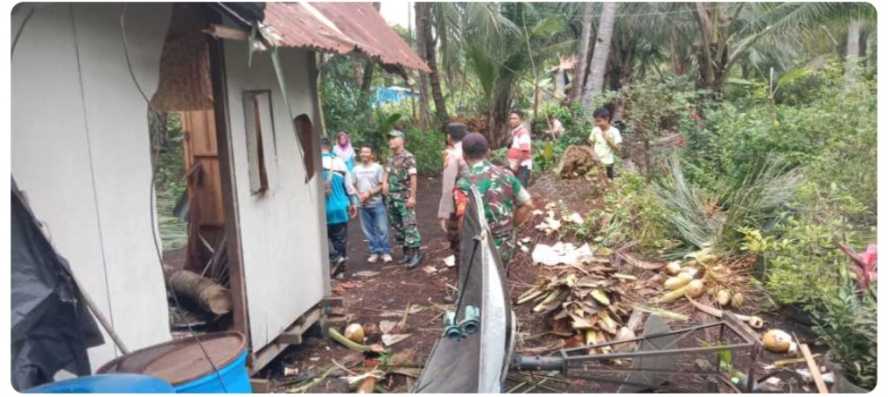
(151, 199)
(89, 153)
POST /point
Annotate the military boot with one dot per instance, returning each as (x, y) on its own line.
(416, 258)
(405, 255)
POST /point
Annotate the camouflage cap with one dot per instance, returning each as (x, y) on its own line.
(396, 134)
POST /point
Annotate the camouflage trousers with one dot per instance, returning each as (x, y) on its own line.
(403, 221)
(506, 246)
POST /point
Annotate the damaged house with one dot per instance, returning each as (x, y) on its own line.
(84, 77)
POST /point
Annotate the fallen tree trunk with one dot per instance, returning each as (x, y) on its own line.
(204, 292)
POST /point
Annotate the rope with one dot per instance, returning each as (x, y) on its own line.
(89, 151)
(151, 201)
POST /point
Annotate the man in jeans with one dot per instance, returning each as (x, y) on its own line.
(369, 181)
(341, 203)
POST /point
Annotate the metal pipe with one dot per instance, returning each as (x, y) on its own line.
(612, 356)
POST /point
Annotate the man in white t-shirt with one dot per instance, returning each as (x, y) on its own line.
(606, 140)
(369, 182)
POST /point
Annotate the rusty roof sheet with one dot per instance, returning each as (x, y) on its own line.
(340, 28)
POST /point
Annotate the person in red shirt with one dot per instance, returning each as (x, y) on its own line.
(519, 153)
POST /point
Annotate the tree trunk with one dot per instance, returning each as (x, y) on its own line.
(366, 80)
(206, 293)
(853, 50)
(424, 11)
(676, 58)
(596, 77)
(580, 66)
(420, 20)
(497, 130)
(705, 58)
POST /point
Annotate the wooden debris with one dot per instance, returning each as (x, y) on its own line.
(387, 326)
(662, 313)
(589, 306)
(753, 321)
(391, 339)
(813, 368)
(790, 361)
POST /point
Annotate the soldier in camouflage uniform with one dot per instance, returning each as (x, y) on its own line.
(400, 187)
(506, 202)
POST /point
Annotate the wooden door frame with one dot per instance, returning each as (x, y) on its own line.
(218, 79)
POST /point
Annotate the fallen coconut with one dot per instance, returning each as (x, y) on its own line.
(673, 268)
(677, 281)
(737, 300)
(777, 341)
(723, 297)
(355, 333)
(695, 288)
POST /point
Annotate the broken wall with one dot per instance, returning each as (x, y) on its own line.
(282, 229)
(80, 152)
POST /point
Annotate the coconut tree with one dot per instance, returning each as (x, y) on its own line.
(503, 42)
(424, 34)
(596, 78)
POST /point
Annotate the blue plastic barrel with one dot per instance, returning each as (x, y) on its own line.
(232, 378)
(184, 363)
(111, 383)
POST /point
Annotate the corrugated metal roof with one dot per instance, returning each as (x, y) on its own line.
(340, 28)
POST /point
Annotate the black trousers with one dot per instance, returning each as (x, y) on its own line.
(336, 237)
(609, 170)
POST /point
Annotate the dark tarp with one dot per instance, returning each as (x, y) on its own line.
(459, 366)
(51, 327)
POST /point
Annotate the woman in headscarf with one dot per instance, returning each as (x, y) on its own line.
(343, 149)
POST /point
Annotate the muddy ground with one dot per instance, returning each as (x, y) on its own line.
(375, 292)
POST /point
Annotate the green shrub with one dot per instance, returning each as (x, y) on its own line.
(847, 324)
(631, 211)
(427, 147)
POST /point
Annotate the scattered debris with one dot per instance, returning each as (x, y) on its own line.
(561, 253)
(366, 273)
(662, 313)
(591, 303)
(753, 321)
(429, 269)
(550, 224)
(577, 161)
(391, 339)
(291, 371)
(365, 382)
(335, 335)
(816, 372)
(387, 326)
(450, 261)
(574, 217)
(414, 309)
(788, 362)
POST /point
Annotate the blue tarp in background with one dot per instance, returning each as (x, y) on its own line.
(392, 94)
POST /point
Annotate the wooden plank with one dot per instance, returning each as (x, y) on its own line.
(260, 385)
(272, 350)
(229, 198)
(813, 368)
(225, 32)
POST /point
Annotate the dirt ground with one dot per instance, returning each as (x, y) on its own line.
(375, 292)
